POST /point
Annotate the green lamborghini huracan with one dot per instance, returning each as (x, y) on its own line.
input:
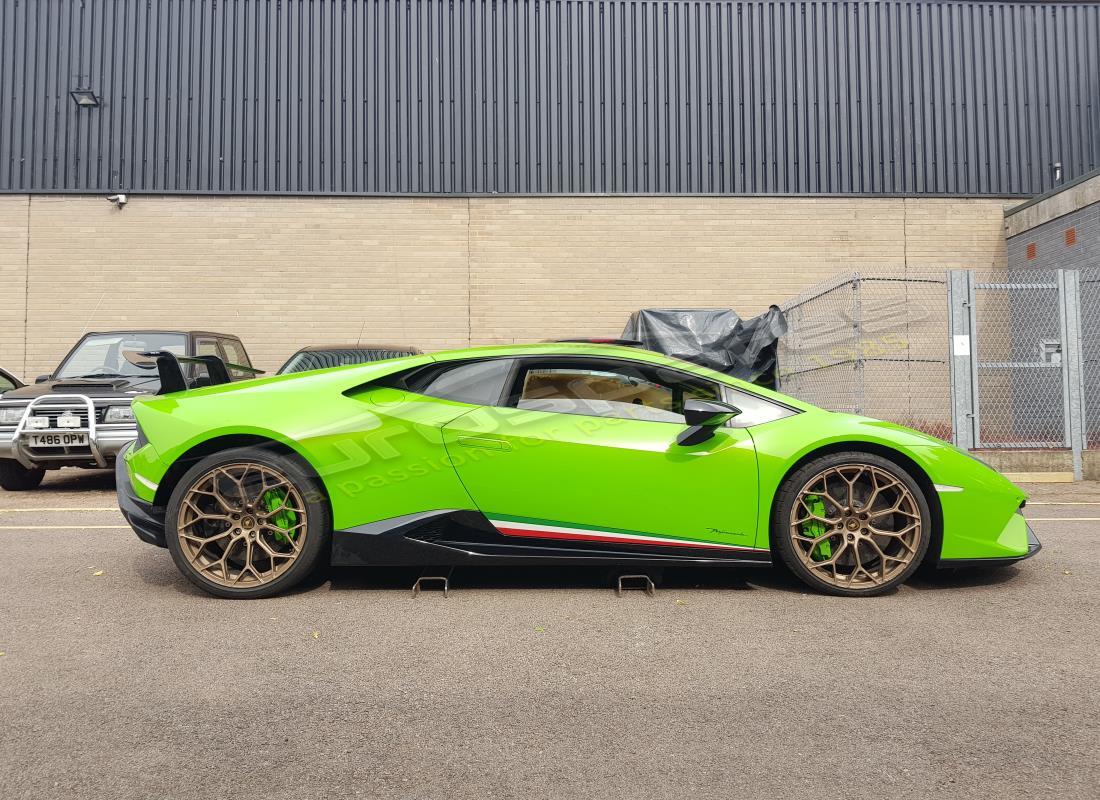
(563, 453)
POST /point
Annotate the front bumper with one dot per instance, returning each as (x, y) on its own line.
(1033, 547)
(146, 519)
(105, 440)
(102, 450)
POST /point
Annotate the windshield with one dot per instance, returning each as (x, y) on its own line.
(101, 356)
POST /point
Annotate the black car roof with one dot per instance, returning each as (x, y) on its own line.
(397, 348)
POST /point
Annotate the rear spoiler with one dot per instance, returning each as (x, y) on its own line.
(173, 376)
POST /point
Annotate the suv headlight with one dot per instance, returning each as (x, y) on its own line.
(119, 414)
(10, 415)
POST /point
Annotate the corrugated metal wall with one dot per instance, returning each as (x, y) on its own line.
(548, 96)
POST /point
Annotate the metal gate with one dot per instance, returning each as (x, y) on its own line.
(1016, 365)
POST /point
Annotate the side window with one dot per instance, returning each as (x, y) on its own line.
(754, 410)
(599, 388)
(235, 354)
(480, 383)
(198, 372)
(5, 384)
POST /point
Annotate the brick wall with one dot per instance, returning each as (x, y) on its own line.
(544, 267)
(282, 272)
(13, 280)
(1071, 241)
(279, 273)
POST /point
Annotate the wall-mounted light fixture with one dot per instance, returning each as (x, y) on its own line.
(84, 98)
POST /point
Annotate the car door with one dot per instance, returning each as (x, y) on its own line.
(391, 459)
(584, 449)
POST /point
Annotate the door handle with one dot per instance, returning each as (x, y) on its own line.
(485, 442)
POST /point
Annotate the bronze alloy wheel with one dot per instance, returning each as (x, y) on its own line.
(856, 526)
(241, 525)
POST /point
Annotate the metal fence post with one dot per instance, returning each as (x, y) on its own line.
(960, 296)
(1069, 301)
(857, 325)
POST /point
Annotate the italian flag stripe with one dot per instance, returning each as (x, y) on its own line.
(539, 530)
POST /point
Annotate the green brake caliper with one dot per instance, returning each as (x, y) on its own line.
(285, 519)
(815, 527)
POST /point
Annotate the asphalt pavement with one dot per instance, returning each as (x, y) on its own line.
(120, 680)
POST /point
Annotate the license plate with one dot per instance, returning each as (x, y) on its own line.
(57, 439)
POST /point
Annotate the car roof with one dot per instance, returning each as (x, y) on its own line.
(397, 348)
(353, 375)
(551, 348)
(161, 330)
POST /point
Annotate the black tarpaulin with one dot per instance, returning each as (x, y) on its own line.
(713, 337)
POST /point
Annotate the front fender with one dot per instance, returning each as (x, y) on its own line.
(978, 504)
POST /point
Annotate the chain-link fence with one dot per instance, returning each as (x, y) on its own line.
(1017, 328)
(1020, 380)
(990, 359)
(872, 343)
(1090, 351)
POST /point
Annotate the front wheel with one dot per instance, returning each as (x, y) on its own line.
(248, 523)
(16, 478)
(851, 524)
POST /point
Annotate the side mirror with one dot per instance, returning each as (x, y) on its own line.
(42, 379)
(704, 416)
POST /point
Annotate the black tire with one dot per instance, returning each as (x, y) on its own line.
(315, 551)
(783, 539)
(16, 478)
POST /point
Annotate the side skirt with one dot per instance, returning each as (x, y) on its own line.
(456, 537)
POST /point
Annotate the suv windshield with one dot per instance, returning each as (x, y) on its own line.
(101, 356)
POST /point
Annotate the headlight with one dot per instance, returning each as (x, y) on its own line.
(10, 415)
(119, 414)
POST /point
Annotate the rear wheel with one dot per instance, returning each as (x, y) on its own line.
(16, 478)
(247, 523)
(851, 524)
